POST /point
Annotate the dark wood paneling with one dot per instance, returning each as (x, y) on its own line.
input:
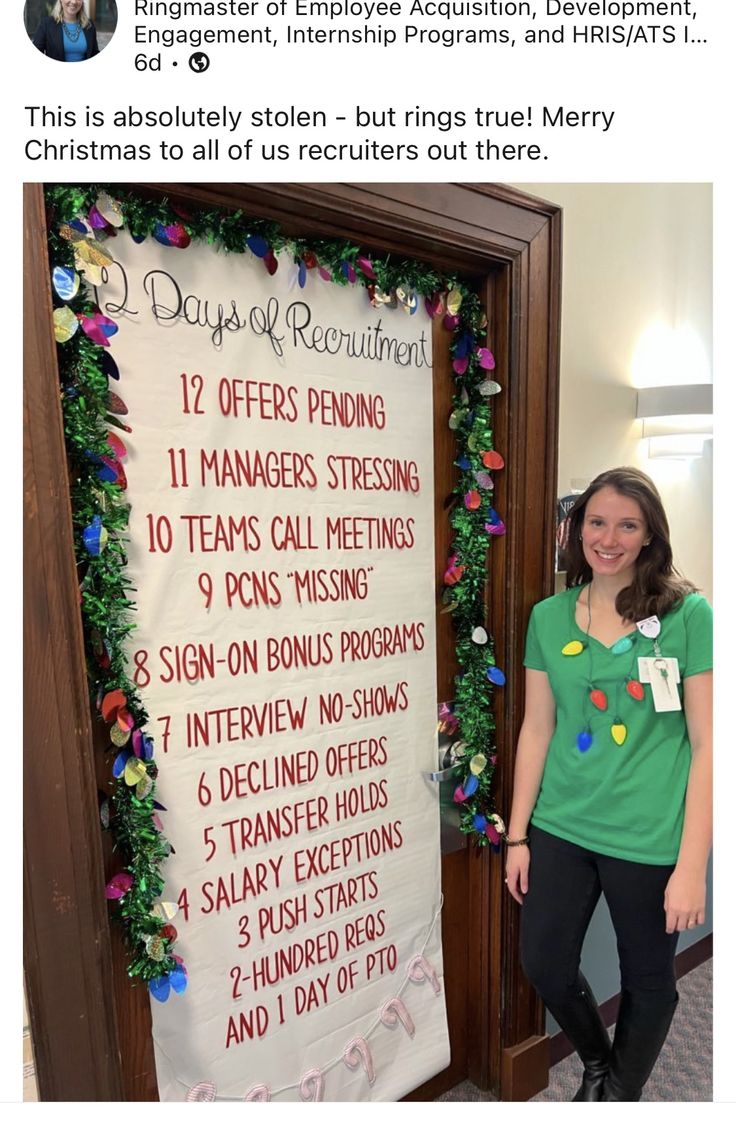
(525, 1069)
(66, 937)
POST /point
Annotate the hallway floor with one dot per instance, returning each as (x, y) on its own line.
(684, 1071)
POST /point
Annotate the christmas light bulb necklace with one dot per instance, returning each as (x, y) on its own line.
(596, 697)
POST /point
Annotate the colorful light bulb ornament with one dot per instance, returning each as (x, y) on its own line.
(635, 689)
(95, 536)
(584, 740)
(573, 648)
(619, 731)
(496, 676)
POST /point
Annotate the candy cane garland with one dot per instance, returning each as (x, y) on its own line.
(420, 969)
(258, 1093)
(357, 1052)
(312, 1085)
(394, 1012)
(202, 1091)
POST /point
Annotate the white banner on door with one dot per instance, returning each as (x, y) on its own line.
(281, 481)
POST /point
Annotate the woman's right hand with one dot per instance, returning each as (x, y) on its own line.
(517, 871)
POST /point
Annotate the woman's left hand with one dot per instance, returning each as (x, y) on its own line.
(684, 901)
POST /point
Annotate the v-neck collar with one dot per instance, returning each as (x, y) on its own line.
(575, 592)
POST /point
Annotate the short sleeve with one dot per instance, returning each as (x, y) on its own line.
(699, 635)
(533, 657)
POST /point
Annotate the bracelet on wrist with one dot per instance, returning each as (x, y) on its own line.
(516, 841)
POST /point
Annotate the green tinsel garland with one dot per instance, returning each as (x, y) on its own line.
(107, 609)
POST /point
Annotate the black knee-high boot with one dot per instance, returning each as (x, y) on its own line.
(581, 1021)
(641, 1030)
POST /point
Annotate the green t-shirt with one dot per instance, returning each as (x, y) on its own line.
(626, 801)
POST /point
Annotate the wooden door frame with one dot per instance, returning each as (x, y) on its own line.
(81, 1006)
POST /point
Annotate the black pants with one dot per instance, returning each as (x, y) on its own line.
(565, 884)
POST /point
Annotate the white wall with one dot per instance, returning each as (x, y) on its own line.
(636, 311)
(636, 265)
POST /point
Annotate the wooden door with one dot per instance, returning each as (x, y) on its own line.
(508, 246)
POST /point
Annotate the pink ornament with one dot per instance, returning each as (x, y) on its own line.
(118, 886)
(459, 796)
(366, 266)
(460, 366)
(486, 359)
(492, 834)
(434, 305)
(472, 500)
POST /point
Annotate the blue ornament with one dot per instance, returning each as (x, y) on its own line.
(137, 238)
(79, 226)
(302, 277)
(95, 536)
(470, 786)
(258, 245)
(495, 675)
(65, 281)
(479, 822)
(148, 749)
(178, 980)
(464, 462)
(584, 740)
(493, 518)
(107, 473)
(161, 235)
(622, 646)
(118, 766)
(160, 987)
(463, 346)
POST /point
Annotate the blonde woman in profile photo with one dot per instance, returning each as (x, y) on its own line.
(68, 34)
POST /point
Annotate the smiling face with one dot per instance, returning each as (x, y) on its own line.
(70, 10)
(613, 533)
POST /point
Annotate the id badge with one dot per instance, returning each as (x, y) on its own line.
(663, 674)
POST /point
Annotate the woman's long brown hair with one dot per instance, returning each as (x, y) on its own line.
(657, 586)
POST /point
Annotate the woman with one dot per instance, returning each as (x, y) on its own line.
(613, 772)
(68, 34)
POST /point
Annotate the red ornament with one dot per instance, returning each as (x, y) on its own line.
(493, 460)
(111, 703)
(454, 571)
(599, 699)
(168, 932)
(635, 689)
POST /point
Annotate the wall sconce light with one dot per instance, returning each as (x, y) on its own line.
(677, 420)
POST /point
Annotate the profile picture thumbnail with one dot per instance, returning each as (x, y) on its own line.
(70, 31)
